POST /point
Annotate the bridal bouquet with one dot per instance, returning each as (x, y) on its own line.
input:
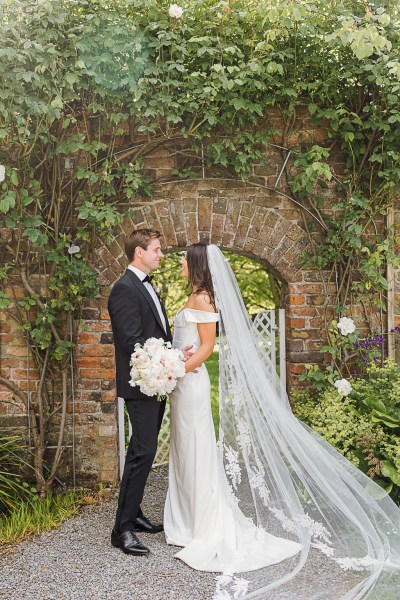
(156, 366)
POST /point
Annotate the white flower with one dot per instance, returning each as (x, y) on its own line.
(156, 367)
(73, 249)
(2, 173)
(343, 387)
(175, 11)
(346, 326)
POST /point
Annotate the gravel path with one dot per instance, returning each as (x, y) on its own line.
(77, 562)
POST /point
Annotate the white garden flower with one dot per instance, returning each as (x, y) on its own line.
(2, 173)
(73, 249)
(175, 11)
(346, 326)
(343, 387)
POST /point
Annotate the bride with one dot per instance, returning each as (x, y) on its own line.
(271, 489)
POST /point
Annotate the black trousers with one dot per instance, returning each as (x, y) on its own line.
(146, 418)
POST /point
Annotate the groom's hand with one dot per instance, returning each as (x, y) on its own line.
(188, 354)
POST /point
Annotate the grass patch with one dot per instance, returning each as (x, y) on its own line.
(212, 365)
(31, 518)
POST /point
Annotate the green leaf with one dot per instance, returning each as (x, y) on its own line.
(57, 102)
(5, 300)
(381, 417)
(14, 177)
(7, 201)
(312, 108)
(389, 470)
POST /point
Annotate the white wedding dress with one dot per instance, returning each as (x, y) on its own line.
(201, 513)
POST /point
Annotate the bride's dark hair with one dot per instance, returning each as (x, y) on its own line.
(199, 272)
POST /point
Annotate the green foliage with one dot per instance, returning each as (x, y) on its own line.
(379, 393)
(335, 419)
(13, 488)
(365, 426)
(34, 518)
(349, 355)
(260, 289)
(312, 171)
(320, 380)
(212, 365)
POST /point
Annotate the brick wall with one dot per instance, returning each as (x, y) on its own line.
(251, 218)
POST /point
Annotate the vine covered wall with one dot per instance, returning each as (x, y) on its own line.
(270, 128)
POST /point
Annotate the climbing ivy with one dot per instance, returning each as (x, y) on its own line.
(78, 75)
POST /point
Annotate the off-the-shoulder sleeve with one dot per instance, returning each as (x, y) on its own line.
(200, 316)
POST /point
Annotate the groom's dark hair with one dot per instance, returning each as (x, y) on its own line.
(139, 237)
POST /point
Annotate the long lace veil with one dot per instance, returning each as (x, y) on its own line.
(290, 481)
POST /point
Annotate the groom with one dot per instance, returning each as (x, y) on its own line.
(137, 314)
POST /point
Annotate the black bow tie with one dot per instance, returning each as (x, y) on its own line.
(148, 278)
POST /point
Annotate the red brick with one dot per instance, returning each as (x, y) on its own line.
(96, 373)
(87, 362)
(87, 338)
(100, 326)
(296, 323)
(104, 314)
(296, 368)
(204, 208)
(296, 299)
(95, 350)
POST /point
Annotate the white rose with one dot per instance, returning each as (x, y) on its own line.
(343, 387)
(175, 11)
(2, 173)
(346, 326)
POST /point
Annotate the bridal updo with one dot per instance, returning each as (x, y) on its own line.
(199, 273)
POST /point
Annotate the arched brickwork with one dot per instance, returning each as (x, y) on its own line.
(237, 216)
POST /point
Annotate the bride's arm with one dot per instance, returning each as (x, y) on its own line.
(207, 334)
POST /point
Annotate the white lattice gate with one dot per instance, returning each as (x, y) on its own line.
(269, 323)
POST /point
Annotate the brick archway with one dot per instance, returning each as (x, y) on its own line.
(236, 216)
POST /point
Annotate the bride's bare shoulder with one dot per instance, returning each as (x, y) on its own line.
(202, 301)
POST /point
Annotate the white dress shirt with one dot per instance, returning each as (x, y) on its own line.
(152, 293)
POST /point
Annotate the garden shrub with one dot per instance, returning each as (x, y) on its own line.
(363, 426)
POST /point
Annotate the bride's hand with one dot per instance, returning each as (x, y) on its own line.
(188, 354)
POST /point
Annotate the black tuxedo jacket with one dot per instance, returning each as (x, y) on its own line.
(134, 319)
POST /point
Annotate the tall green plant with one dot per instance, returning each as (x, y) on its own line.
(13, 488)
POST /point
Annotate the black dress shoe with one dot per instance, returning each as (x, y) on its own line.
(143, 524)
(128, 543)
